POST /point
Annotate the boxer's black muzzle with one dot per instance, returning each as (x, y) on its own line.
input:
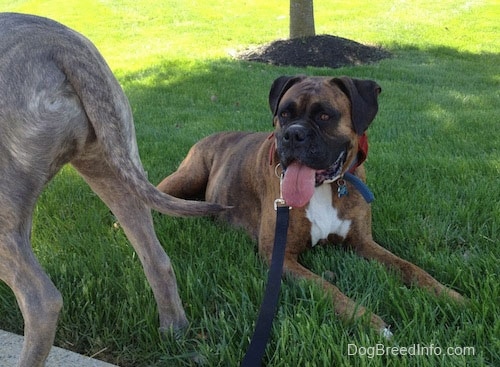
(307, 145)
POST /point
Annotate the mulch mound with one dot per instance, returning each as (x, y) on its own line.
(317, 51)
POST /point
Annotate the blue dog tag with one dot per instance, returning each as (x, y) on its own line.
(342, 188)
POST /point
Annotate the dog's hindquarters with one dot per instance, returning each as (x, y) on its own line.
(60, 103)
(110, 116)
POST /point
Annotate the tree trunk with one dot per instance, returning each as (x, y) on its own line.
(301, 19)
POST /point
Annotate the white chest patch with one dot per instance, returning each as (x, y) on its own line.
(324, 217)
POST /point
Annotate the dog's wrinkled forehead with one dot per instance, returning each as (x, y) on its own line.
(313, 85)
(315, 93)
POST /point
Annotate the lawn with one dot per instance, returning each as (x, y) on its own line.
(434, 167)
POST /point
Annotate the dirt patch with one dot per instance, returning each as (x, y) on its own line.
(318, 51)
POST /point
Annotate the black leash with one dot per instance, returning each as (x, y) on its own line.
(257, 347)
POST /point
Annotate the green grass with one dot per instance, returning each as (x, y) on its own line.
(434, 167)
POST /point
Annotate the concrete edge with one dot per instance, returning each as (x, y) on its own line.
(11, 345)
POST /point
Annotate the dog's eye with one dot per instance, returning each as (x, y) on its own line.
(285, 114)
(324, 116)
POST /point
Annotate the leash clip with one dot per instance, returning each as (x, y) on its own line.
(280, 201)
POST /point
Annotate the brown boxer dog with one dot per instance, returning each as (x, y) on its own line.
(319, 137)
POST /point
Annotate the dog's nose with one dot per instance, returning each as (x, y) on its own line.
(295, 135)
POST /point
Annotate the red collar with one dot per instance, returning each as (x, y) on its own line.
(362, 152)
(360, 158)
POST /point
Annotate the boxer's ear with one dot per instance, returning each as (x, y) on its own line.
(279, 88)
(364, 100)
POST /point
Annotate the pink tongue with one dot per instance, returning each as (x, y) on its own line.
(298, 184)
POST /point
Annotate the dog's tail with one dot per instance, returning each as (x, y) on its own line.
(109, 113)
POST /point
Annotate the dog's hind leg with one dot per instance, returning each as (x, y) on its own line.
(190, 180)
(39, 301)
(37, 297)
(136, 220)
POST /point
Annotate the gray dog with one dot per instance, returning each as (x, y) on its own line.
(60, 103)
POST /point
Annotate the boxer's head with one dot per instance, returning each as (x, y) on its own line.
(318, 122)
